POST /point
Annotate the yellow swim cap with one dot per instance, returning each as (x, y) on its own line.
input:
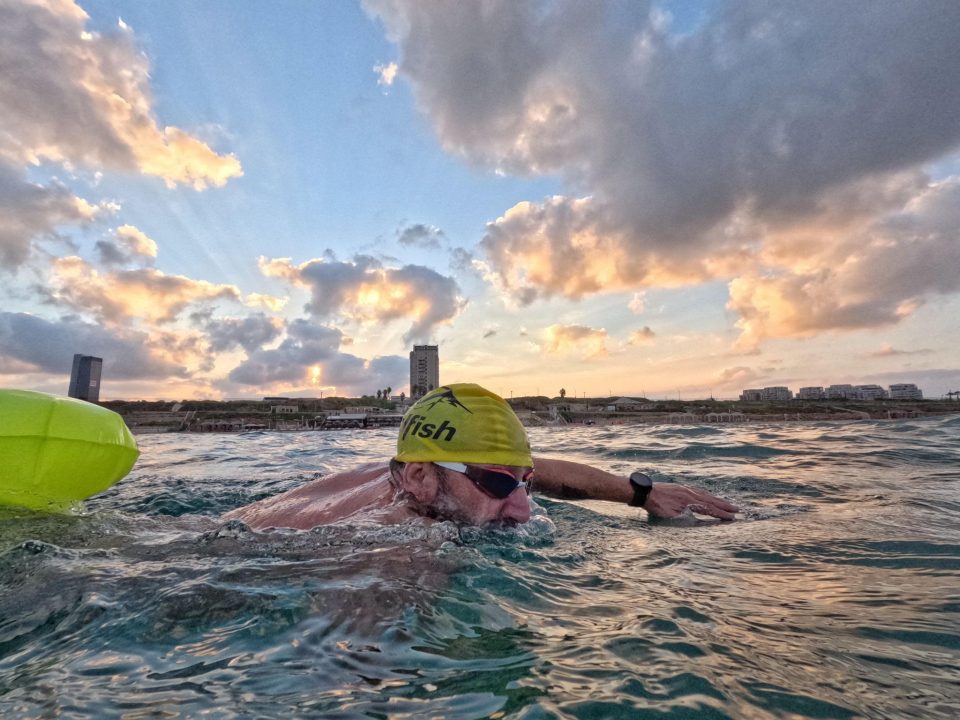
(463, 423)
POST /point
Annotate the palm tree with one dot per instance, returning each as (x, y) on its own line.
(563, 393)
(378, 394)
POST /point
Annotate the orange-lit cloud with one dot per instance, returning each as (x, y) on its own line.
(84, 99)
(269, 302)
(577, 340)
(643, 335)
(871, 278)
(363, 290)
(131, 245)
(145, 295)
(386, 74)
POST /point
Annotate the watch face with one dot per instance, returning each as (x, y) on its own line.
(641, 479)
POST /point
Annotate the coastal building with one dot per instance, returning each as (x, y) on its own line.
(85, 377)
(624, 404)
(751, 395)
(284, 409)
(776, 393)
(869, 392)
(424, 370)
(810, 393)
(841, 392)
(905, 391)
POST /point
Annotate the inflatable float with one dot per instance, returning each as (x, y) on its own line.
(55, 451)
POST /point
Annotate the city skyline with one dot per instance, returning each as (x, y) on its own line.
(665, 199)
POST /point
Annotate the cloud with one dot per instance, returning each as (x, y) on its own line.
(739, 377)
(306, 345)
(271, 303)
(643, 335)
(131, 246)
(425, 236)
(576, 339)
(871, 278)
(889, 351)
(29, 211)
(124, 296)
(310, 356)
(772, 128)
(638, 303)
(32, 344)
(386, 74)
(251, 332)
(363, 290)
(80, 98)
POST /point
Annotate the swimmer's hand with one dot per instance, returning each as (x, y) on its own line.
(668, 500)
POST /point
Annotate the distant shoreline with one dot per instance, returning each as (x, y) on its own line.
(235, 417)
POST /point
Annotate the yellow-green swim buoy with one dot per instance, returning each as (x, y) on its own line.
(56, 450)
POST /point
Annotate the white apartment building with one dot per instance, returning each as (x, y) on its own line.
(811, 393)
(778, 392)
(751, 395)
(836, 392)
(905, 391)
(869, 392)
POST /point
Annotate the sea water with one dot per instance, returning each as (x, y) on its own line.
(835, 595)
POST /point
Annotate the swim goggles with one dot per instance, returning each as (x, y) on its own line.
(495, 483)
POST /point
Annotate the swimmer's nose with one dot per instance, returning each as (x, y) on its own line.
(516, 508)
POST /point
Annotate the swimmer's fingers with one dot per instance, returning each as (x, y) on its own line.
(713, 511)
(668, 501)
(713, 506)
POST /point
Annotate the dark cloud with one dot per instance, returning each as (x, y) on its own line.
(29, 211)
(686, 157)
(306, 345)
(644, 334)
(425, 236)
(888, 351)
(250, 333)
(49, 346)
(312, 352)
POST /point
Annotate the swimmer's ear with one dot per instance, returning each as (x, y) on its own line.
(420, 480)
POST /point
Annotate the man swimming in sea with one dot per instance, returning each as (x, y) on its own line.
(463, 455)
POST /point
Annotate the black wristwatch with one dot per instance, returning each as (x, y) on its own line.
(642, 485)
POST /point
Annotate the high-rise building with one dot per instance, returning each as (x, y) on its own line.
(85, 377)
(424, 370)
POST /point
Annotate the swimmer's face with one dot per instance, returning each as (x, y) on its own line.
(451, 495)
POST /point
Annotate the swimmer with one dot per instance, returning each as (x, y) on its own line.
(463, 455)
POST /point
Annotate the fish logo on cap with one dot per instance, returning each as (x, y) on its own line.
(448, 397)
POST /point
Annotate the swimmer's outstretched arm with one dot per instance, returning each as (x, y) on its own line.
(576, 481)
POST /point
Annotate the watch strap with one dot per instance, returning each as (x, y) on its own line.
(642, 484)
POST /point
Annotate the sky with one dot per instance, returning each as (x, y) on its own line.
(671, 199)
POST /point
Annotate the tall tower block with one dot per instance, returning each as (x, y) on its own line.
(424, 370)
(85, 377)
